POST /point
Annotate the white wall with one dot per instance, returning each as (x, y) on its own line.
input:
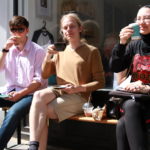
(27, 8)
(37, 22)
(5, 15)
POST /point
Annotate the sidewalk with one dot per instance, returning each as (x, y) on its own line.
(12, 145)
(24, 145)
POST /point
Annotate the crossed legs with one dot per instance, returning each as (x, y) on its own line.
(40, 111)
(130, 128)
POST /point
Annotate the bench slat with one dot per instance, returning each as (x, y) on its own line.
(90, 119)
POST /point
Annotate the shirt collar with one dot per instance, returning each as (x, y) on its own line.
(26, 46)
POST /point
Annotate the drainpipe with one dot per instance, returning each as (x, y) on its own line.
(15, 7)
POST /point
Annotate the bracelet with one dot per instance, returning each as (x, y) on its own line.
(5, 50)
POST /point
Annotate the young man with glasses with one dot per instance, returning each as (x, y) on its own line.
(21, 61)
(131, 126)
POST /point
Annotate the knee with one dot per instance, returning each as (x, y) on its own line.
(37, 97)
(41, 97)
(131, 105)
(37, 94)
(13, 114)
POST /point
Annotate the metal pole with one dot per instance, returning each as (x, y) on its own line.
(15, 7)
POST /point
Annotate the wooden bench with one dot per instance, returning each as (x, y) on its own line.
(90, 119)
(80, 132)
(96, 95)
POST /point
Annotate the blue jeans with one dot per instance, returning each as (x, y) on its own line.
(17, 111)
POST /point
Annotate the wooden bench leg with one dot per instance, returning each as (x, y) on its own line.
(18, 130)
(19, 133)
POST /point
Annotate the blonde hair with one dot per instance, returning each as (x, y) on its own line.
(73, 16)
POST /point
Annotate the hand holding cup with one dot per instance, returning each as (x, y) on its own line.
(13, 40)
(125, 34)
(16, 40)
(60, 46)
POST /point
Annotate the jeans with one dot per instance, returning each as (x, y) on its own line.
(17, 111)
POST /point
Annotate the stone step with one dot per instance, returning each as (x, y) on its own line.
(25, 133)
(25, 129)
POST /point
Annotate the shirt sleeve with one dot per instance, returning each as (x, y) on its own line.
(121, 57)
(37, 67)
(98, 79)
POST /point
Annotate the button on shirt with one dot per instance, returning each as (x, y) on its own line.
(23, 67)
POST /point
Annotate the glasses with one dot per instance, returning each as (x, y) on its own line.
(143, 19)
(20, 30)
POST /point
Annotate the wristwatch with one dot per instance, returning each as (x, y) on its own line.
(5, 50)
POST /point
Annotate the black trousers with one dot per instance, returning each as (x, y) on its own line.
(131, 128)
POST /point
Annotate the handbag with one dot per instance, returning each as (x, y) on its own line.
(114, 108)
(114, 105)
(129, 95)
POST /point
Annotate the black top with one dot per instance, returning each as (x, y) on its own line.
(137, 54)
